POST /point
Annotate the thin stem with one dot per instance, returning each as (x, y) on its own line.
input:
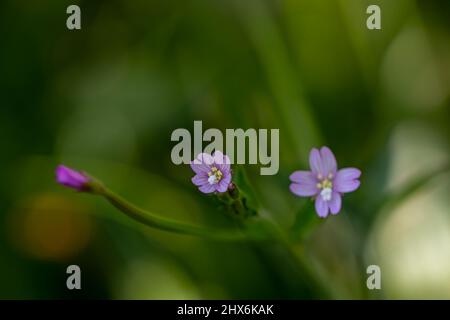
(255, 229)
(154, 221)
(308, 275)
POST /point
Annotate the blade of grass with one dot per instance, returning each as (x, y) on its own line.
(393, 199)
(286, 88)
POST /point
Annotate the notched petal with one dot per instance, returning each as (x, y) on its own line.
(346, 180)
(328, 161)
(315, 162)
(335, 203)
(321, 207)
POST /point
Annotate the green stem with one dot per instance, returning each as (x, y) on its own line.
(309, 277)
(253, 229)
(165, 224)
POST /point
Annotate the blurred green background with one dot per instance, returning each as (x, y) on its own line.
(106, 98)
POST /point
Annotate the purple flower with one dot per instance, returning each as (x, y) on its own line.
(71, 178)
(212, 172)
(324, 181)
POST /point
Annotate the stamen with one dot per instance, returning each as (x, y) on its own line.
(215, 175)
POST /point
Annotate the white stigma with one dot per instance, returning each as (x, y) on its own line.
(214, 176)
(326, 194)
(212, 179)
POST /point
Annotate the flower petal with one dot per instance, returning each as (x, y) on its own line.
(328, 161)
(223, 184)
(218, 157)
(202, 163)
(71, 178)
(199, 167)
(223, 161)
(302, 176)
(200, 179)
(207, 188)
(346, 180)
(335, 203)
(349, 173)
(305, 184)
(205, 158)
(315, 162)
(321, 207)
(302, 190)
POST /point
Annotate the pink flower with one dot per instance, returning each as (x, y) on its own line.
(324, 181)
(71, 178)
(212, 172)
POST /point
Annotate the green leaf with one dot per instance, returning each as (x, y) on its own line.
(292, 105)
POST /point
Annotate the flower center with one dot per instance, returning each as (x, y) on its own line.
(326, 187)
(326, 194)
(214, 176)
